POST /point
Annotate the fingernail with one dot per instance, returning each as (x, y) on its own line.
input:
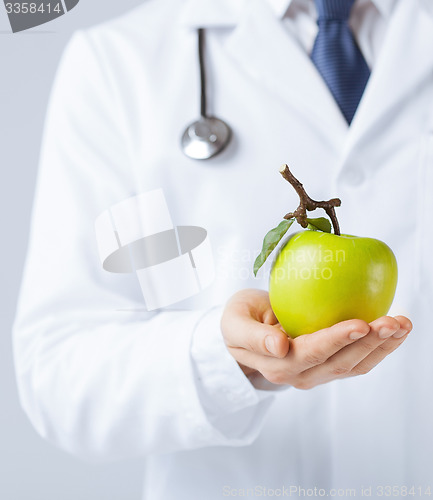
(357, 335)
(271, 345)
(385, 332)
(401, 333)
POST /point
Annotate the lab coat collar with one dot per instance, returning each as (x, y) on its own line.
(211, 13)
(227, 13)
(392, 84)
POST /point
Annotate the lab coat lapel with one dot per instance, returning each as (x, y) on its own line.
(401, 67)
(264, 48)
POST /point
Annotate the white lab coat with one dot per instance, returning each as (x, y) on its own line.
(103, 379)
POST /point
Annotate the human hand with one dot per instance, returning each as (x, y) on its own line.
(257, 342)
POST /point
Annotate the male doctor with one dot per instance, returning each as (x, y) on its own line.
(210, 391)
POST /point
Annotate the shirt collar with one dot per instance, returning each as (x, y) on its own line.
(280, 6)
(226, 13)
(385, 7)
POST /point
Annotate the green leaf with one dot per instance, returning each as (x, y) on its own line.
(271, 240)
(320, 224)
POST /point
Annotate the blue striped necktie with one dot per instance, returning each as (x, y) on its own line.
(337, 56)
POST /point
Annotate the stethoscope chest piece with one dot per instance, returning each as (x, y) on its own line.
(205, 138)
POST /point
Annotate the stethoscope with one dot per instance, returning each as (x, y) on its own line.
(209, 135)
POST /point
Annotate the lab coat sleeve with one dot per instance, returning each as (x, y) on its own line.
(97, 376)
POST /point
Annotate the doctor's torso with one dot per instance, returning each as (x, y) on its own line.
(374, 430)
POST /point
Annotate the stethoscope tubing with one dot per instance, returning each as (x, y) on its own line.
(203, 79)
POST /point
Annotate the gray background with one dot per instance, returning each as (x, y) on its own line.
(31, 469)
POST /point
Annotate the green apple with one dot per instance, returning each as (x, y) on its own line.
(319, 279)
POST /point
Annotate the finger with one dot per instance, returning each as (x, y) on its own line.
(343, 362)
(260, 338)
(405, 325)
(269, 318)
(314, 349)
(384, 327)
(378, 355)
(384, 349)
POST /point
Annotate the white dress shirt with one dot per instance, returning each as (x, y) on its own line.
(368, 20)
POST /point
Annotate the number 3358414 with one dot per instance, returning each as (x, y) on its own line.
(32, 8)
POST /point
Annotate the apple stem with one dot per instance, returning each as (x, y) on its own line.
(307, 203)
